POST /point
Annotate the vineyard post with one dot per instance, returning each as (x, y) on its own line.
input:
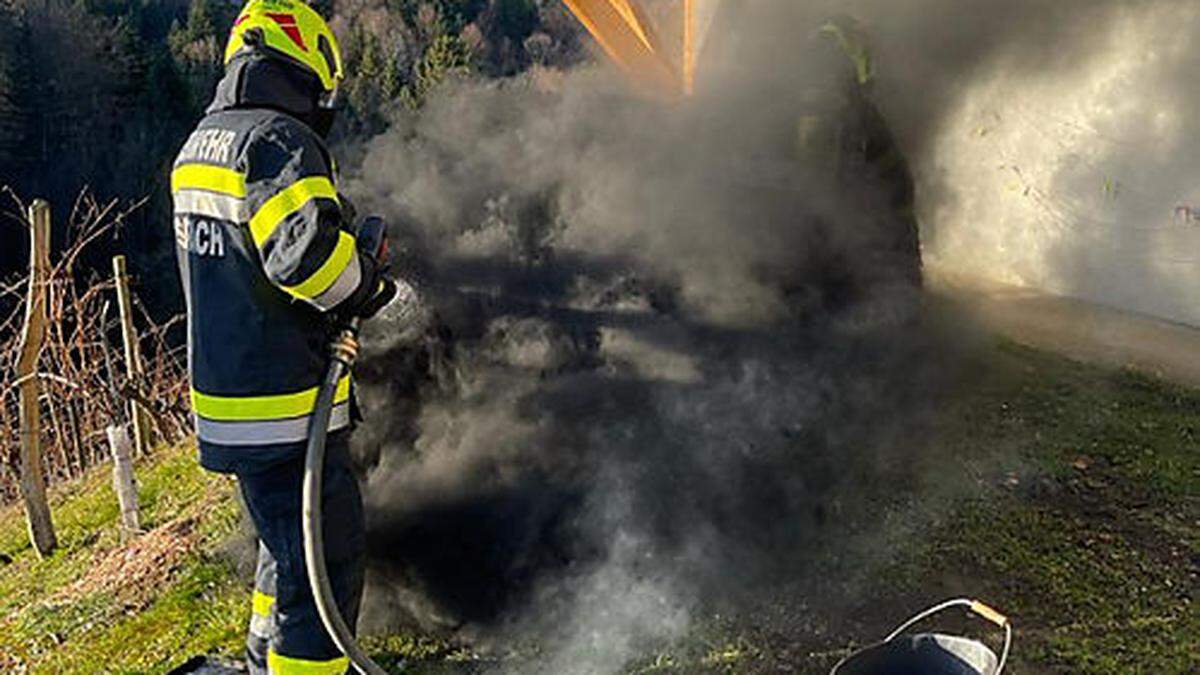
(33, 482)
(123, 482)
(133, 357)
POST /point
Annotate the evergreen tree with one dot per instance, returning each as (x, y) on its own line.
(13, 122)
(446, 56)
(197, 48)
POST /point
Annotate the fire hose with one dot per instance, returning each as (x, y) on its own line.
(344, 353)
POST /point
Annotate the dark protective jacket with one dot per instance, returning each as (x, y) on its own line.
(846, 138)
(266, 261)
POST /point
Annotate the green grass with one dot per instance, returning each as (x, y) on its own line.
(1076, 511)
(1095, 550)
(47, 625)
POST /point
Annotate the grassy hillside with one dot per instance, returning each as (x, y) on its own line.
(99, 606)
(1089, 537)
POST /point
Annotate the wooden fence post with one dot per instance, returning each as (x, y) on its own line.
(33, 483)
(133, 356)
(123, 485)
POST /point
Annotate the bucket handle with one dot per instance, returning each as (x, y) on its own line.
(977, 607)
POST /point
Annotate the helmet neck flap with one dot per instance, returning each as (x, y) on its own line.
(255, 79)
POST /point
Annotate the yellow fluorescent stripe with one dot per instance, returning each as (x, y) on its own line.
(282, 205)
(261, 408)
(211, 178)
(279, 664)
(323, 278)
(262, 604)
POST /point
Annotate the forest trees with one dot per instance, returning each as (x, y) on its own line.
(197, 47)
(398, 50)
(13, 120)
(99, 94)
(92, 101)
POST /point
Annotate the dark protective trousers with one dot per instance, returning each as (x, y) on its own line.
(286, 633)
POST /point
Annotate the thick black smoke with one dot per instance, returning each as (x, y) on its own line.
(636, 404)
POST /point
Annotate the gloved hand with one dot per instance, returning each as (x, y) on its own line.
(398, 300)
(372, 239)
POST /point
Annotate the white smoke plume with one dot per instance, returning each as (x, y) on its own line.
(1056, 144)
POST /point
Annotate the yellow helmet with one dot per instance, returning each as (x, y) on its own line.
(293, 29)
(851, 37)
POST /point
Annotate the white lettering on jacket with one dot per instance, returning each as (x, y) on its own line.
(214, 146)
(202, 238)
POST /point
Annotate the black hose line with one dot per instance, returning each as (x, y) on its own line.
(344, 352)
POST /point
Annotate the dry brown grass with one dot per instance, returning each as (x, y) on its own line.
(136, 572)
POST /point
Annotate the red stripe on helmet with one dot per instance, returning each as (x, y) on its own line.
(287, 22)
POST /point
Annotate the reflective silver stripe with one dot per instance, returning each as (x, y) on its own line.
(261, 626)
(294, 430)
(343, 287)
(211, 205)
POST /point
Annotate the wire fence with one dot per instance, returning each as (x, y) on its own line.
(81, 368)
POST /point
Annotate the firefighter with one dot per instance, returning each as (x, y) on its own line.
(269, 265)
(871, 249)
